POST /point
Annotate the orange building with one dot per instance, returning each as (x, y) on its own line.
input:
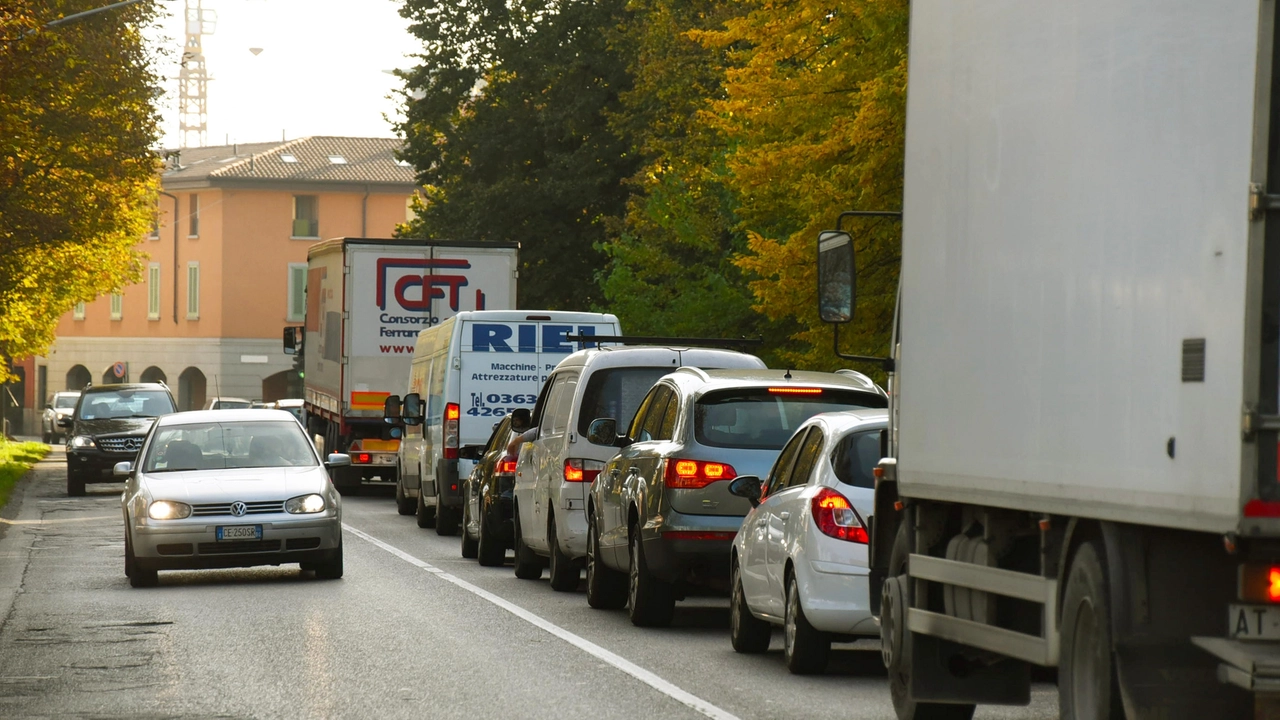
(222, 282)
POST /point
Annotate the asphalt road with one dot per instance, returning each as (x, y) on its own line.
(412, 630)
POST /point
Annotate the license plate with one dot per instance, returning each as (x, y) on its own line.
(1254, 622)
(239, 532)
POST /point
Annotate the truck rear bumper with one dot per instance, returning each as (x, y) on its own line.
(1254, 666)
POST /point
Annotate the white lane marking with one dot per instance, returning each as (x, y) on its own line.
(577, 641)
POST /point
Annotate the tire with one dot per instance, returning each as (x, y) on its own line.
(749, 634)
(75, 483)
(489, 551)
(128, 551)
(651, 602)
(426, 515)
(528, 564)
(447, 520)
(46, 438)
(330, 569)
(470, 546)
(404, 505)
(805, 649)
(900, 678)
(565, 571)
(606, 587)
(138, 577)
(1087, 681)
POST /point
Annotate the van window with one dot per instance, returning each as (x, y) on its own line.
(758, 418)
(435, 401)
(616, 393)
(556, 420)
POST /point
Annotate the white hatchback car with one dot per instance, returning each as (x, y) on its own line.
(229, 488)
(800, 558)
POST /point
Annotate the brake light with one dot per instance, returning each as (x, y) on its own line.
(1262, 508)
(1260, 582)
(795, 390)
(697, 535)
(694, 474)
(363, 458)
(507, 466)
(451, 415)
(835, 517)
(583, 471)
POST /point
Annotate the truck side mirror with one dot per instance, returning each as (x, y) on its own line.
(837, 277)
(391, 410)
(292, 339)
(411, 412)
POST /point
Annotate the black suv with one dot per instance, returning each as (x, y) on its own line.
(107, 427)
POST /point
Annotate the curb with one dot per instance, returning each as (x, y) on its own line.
(13, 557)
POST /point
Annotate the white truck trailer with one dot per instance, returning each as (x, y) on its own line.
(1081, 469)
(367, 300)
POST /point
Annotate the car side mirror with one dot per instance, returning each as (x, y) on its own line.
(64, 422)
(122, 469)
(336, 460)
(471, 452)
(604, 431)
(746, 486)
(411, 412)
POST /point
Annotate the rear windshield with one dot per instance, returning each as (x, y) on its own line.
(212, 446)
(758, 418)
(125, 403)
(855, 457)
(65, 401)
(232, 405)
(617, 393)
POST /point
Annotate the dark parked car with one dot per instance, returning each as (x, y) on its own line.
(486, 493)
(108, 426)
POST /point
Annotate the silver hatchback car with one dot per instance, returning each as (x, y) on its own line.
(229, 488)
(660, 515)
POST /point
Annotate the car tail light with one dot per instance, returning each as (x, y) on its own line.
(362, 458)
(583, 471)
(694, 474)
(451, 415)
(697, 535)
(835, 517)
(795, 390)
(1262, 508)
(506, 466)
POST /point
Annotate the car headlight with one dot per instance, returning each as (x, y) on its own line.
(304, 504)
(168, 510)
(82, 441)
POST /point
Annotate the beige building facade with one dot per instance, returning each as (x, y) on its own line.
(225, 267)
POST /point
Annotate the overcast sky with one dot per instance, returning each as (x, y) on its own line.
(319, 72)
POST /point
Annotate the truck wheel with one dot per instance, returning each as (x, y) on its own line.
(489, 551)
(606, 587)
(805, 648)
(896, 638)
(75, 483)
(748, 633)
(1087, 686)
(528, 564)
(651, 601)
(447, 519)
(565, 571)
(426, 515)
(470, 546)
(404, 505)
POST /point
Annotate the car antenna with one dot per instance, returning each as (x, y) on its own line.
(788, 375)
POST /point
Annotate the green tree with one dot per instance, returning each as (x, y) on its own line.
(510, 137)
(671, 269)
(814, 115)
(77, 168)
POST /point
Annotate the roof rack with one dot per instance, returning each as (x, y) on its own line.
(658, 340)
(693, 370)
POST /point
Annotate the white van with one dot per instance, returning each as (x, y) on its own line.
(554, 472)
(467, 373)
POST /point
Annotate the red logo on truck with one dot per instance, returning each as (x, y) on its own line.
(432, 286)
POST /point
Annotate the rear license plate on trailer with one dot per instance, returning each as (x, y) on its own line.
(1254, 622)
(239, 532)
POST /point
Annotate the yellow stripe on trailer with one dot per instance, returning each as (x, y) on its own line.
(368, 400)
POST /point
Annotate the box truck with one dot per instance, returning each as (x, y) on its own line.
(367, 300)
(1081, 466)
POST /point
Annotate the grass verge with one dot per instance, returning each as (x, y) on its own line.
(15, 459)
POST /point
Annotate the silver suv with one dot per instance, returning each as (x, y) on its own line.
(557, 466)
(660, 515)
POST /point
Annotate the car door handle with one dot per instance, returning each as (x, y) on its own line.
(633, 472)
(784, 514)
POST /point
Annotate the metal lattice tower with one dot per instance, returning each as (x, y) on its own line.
(193, 81)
